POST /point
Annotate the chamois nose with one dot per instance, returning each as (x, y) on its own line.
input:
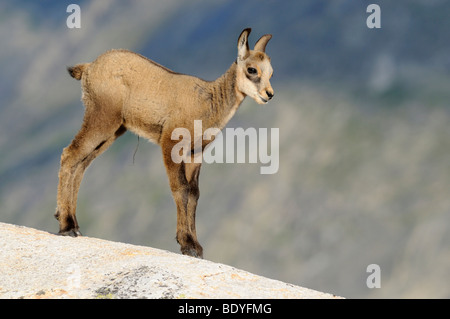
(270, 94)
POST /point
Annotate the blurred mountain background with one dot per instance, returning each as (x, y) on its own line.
(364, 120)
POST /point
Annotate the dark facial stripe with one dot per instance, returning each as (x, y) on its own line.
(253, 78)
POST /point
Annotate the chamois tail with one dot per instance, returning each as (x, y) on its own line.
(77, 71)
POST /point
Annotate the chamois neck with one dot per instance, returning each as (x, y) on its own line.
(226, 98)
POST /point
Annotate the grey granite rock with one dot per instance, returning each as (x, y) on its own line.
(37, 264)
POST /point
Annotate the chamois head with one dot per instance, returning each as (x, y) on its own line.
(254, 69)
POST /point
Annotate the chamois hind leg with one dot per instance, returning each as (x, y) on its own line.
(183, 180)
(79, 173)
(94, 137)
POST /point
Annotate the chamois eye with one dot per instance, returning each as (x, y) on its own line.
(252, 71)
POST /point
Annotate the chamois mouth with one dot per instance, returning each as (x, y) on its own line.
(263, 99)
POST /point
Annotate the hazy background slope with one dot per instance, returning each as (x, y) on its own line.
(364, 123)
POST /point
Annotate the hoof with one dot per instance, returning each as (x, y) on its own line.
(71, 233)
(196, 252)
(189, 246)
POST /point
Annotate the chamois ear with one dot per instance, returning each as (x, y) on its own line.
(262, 42)
(243, 48)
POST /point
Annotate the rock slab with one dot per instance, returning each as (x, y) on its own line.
(38, 264)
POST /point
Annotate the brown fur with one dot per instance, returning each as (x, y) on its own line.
(123, 91)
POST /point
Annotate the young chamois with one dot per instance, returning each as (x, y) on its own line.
(122, 90)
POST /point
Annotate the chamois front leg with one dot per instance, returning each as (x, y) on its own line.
(192, 172)
(183, 179)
